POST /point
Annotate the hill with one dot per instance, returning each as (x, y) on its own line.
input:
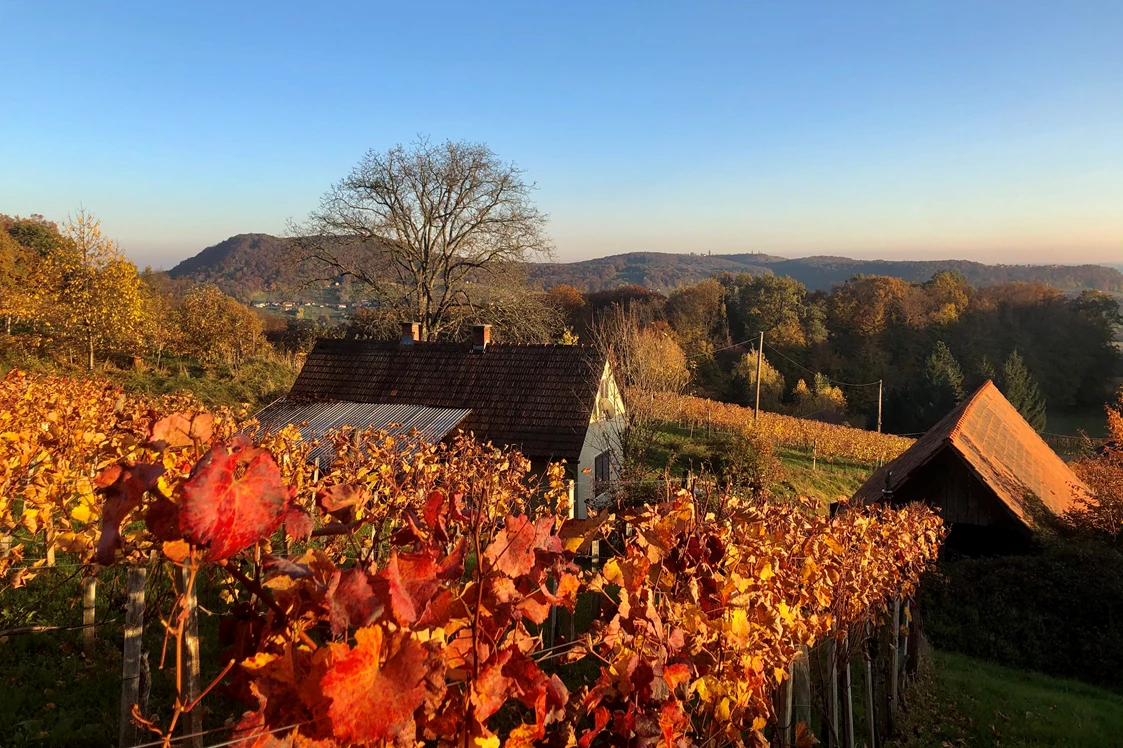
(254, 266)
(245, 266)
(665, 271)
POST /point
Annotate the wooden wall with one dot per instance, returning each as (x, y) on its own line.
(980, 523)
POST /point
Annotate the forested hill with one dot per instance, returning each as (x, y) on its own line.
(664, 271)
(248, 265)
(243, 266)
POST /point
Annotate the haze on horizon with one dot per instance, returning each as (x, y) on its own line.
(990, 131)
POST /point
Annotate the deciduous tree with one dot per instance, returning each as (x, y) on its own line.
(98, 298)
(426, 228)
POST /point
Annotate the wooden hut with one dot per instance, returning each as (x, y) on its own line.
(986, 471)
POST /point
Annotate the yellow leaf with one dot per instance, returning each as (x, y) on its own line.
(176, 550)
(82, 512)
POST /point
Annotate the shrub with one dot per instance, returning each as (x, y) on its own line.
(1058, 611)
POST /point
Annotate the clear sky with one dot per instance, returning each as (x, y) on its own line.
(952, 128)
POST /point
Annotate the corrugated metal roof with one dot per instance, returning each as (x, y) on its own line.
(316, 418)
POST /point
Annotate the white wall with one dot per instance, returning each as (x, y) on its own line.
(605, 425)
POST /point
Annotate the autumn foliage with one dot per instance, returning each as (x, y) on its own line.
(829, 441)
(1102, 513)
(392, 591)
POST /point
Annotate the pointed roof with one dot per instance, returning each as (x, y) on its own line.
(1000, 447)
(539, 398)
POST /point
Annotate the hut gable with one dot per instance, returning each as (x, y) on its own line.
(539, 398)
(1003, 452)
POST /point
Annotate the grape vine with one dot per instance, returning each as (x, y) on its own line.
(397, 591)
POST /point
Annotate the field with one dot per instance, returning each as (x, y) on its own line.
(961, 701)
(677, 448)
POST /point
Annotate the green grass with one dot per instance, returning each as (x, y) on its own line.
(676, 448)
(821, 480)
(54, 694)
(257, 382)
(961, 701)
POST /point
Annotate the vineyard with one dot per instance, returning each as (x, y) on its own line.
(403, 592)
(828, 441)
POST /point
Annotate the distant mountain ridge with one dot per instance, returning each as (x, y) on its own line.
(665, 271)
(251, 266)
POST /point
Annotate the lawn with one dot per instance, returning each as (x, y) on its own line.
(679, 449)
(961, 701)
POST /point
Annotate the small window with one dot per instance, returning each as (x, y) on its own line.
(602, 472)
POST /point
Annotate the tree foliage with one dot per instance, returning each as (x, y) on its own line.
(427, 228)
(1021, 389)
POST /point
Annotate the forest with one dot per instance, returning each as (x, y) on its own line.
(826, 351)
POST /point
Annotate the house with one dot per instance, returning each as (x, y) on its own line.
(990, 476)
(552, 402)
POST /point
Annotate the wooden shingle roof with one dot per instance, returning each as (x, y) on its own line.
(1000, 447)
(536, 397)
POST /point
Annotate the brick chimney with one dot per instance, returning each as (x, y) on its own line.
(410, 332)
(481, 336)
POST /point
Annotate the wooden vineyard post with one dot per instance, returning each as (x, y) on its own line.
(784, 727)
(89, 613)
(902, 669)
(759, 361)
(848, 698)
(833, 732)
(871, 713)
(192, 721)
(894, 657)
(134, 643)
(801, 689)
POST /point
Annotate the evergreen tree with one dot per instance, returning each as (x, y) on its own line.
(943, 384)
(1021, 389)
(986, 371)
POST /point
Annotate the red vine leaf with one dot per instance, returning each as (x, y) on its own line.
(124, 487)
(351, 601)
(340, 497)
(490, 689)
(671, 720)
(407, 584)
(225, 509)
(298, 523)
(162, 519)
(512, 550)
(372, 702)
(676, 674)
(181, 430)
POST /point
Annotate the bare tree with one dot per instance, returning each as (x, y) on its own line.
(424, 228)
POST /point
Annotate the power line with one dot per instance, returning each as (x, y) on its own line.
(726, 348)
(813, 373)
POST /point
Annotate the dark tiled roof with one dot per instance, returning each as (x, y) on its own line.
(1000, 447)
(536, 397)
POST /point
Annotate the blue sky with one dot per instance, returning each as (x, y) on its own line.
(982, 130)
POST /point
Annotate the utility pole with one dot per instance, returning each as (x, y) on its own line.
(759, 361)
(880, 382)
